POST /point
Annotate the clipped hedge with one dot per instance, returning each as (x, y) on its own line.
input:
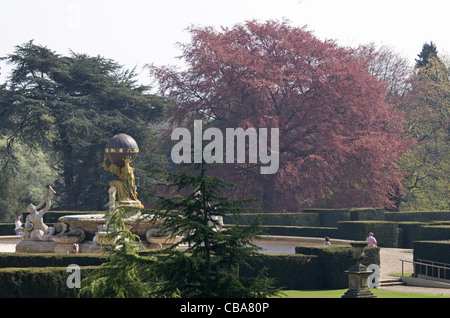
(300, 231)
(40, 282)
(334, 261)
(53, 216)
(330, 217)
(408, 233)
(367, 214)
(416, 216)
(50, 260)
(437, 251)
(289, 271)
(290, 219)
(7, 229)
(385, 232)
(435, 232)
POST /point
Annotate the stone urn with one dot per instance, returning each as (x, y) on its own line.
(358, 274)
(358, 255)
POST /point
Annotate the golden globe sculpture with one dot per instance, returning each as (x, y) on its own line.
(121, 150)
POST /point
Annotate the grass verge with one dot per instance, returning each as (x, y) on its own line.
(337, 293)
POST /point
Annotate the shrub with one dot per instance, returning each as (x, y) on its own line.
(434, 232)
(330, 217)
(437, 251)
(433, 251)
(417, 216)
(367, 214)
(300, 231)
(289, 219)
(385, 232)
(7, 229)
(49, 260)
(408, 233)
(289, 271)
(48, 282)
(335, 261)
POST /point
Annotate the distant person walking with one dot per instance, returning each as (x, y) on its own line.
(327, 241)
(371, 239)
(18, 224)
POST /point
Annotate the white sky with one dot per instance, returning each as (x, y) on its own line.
(136, 32)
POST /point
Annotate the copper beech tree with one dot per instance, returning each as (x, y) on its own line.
(338, 139)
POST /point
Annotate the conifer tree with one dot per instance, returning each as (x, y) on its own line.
(428, 52)
(209, 266)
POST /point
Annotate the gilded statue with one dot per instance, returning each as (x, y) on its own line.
(126, 193)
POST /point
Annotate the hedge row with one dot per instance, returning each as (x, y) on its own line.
(331, 217)
(334, 261)
(312, 217)
(312, 268)
(53, 216)
(50, 260)
(422, 231)
(432, 251)
(292, 219)
(38, 282)
(413, 216)
(438, 251)
(300, 231)
(288, 271)
(385, 232)
(7, 229)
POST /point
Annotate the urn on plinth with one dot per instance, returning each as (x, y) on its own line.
(358, 274)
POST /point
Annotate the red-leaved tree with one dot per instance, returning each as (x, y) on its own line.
(338, 138)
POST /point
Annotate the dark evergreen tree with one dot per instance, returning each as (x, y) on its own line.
(428, 51)
(209, 266)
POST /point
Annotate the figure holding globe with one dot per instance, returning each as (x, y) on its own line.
(121, 150)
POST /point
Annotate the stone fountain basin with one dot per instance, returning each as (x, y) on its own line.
(67, 239)
(91, 223)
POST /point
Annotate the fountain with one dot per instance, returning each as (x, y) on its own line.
(89, 230)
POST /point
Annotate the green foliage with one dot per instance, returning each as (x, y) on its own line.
(50, 260)
(37, 282)
(336, 260)
(427, 165)
(438, 251)
(428, 52)
(385, 232)
(418, 216)
(14, 198)
(69, 106)
(126, 274)
(300, 231)
(289, 271)
(210, 265)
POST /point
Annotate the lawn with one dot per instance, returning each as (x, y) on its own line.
(337, 293)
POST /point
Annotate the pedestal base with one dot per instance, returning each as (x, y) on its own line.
(357, 282)
(31, 246)
(358, 293)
